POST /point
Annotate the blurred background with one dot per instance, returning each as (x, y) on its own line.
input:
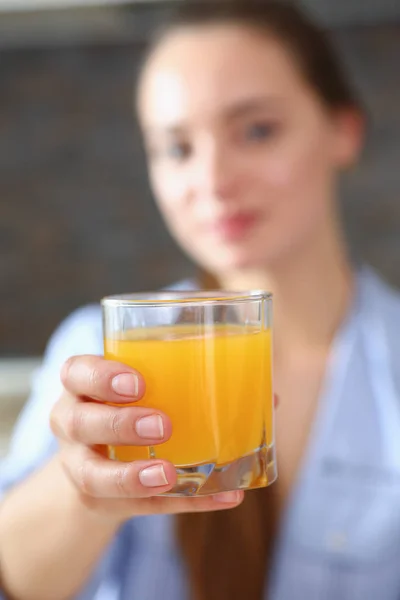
(77, 218)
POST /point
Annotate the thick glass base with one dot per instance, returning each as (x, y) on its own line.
(249, 472)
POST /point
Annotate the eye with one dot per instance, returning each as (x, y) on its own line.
(259, 132)
(178, 151)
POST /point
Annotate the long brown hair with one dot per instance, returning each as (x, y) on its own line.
(228, 553)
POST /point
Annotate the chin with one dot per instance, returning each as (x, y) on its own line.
(236, 261)
(232, 261)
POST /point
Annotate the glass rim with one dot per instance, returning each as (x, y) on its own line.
(166, 298)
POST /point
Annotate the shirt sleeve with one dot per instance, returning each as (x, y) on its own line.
(32, 442)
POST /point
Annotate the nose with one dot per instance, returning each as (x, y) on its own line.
(215, 171)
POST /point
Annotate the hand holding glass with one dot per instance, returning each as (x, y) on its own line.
(206, 359)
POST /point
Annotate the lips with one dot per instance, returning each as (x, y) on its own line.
(233, 227)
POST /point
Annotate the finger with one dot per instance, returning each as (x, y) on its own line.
(171, 505)
(91, 424)
(276, 400)
(102, 379)
(98, 477)
(120, 509)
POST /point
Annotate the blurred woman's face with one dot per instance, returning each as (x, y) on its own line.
(242, 153)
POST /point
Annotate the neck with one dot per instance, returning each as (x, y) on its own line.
(312, 290)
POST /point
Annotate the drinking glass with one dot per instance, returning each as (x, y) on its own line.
(206, 359)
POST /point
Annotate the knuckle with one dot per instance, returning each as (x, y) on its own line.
(123, 482)
(116, 424)
(66, 369)
(122, 425)
(54, 420)
(57, 416)
(84, 477)
(74, 423)
(92, 503)
(95, 377)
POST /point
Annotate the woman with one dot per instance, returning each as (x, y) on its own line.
(247, 120)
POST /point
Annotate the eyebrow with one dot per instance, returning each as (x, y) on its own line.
(235, 111)
(249, 105)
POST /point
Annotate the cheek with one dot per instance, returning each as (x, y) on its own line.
(173, 200)
(167, 187)
(297, 185)
(169, 192)
(299, 177)
(299, 168)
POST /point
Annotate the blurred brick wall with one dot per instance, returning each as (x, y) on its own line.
(77, 220)
(371, 198)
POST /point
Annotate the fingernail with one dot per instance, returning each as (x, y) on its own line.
(228, 497)
(126, 384)
(150, 428)
(153, 476)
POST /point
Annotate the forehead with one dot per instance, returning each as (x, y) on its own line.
(199, 72)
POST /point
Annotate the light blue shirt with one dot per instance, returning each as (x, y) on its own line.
(340, 538)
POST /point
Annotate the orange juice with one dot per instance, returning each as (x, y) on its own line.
(213, 382)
